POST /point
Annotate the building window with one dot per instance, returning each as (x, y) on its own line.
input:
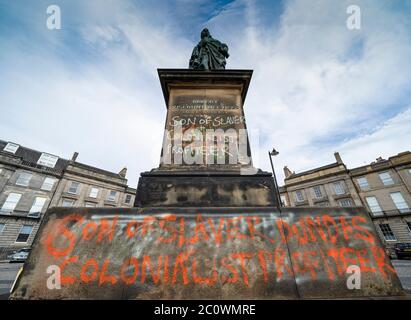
(399, 202)
(299, 196)
(317, 192)
(37, 207)
(90, 205)
(345, 203)
(47, 160)
(48, 184)
(24, 179)
(128, 198)
(73, 187)
(93, 192)
(11, 202)
(11, 147)
(374, 206)
(67, 203)
(112, 196)
(2, 226)
(24, 233)
(283, 200)
(387, 232)
(363, 183)
(386, 178)
(323, 204)
(339, 188)
(409, 227)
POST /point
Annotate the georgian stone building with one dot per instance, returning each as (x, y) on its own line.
(383, 187)
(385, 190)
(325, 186)
(28, 180)
(32, 181)
(86, 186)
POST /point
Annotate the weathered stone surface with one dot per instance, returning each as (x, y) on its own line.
(197, 103)
(205, 191)
(207, 253)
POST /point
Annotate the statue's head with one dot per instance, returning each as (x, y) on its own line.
(205, 33)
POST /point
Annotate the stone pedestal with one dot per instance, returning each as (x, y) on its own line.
(207, 231)
(206, 158)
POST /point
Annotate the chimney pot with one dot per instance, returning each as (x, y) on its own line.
(287, 172)
(74, 157)
(338, 157)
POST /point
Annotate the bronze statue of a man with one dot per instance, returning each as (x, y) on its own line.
(209, 53)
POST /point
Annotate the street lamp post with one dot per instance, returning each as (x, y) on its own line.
(271, 154)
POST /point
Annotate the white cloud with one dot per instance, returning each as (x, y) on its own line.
(393, 137)
(317, 87)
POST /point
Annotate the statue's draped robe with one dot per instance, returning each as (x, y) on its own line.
(209, 56)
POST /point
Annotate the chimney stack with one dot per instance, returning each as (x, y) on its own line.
(338, 158)
(287, 172)
(74, 157)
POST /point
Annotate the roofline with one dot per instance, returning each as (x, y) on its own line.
(332, 165)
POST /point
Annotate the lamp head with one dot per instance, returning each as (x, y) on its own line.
(274, 152)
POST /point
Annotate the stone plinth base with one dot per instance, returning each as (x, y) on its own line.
(208, 253)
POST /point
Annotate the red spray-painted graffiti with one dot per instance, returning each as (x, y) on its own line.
(327, 245)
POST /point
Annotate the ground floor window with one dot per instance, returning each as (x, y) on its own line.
(345, 203)
(67, 203)
(387, 232)
(24, 234)
(323, 204)
(90, 205)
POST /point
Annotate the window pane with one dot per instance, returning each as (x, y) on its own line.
(67, 203)
(128, 198)
(24, 234)
(346, 203)
(299, 196)
(47, 160)
(399, 201)
(2, 225)
(24, 179)
(387, 232)
(90, 205)
(386, 178)
(339, 188)
(323, 204)
(93, 192)
(112, 196)
(48, 184)
(11, 202)
(11, 147)
(317, 192)
(73, 187)
(363, 183)
(373, 205)
(38, 204)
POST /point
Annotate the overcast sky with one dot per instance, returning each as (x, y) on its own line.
(317, 88)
